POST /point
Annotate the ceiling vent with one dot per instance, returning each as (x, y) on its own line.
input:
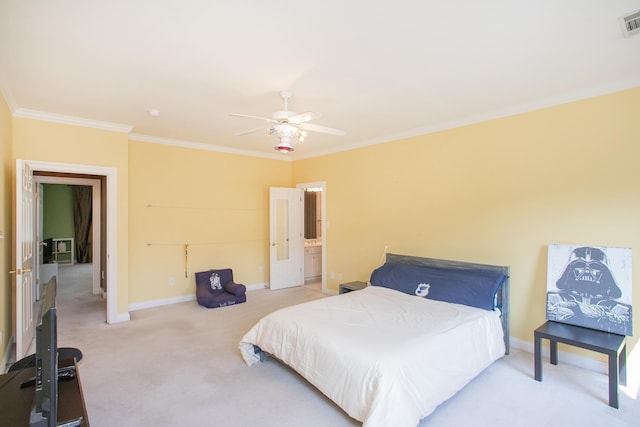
(630, 23)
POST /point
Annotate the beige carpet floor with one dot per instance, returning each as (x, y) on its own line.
(179, 365)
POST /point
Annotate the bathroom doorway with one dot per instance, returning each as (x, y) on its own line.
(314, 246)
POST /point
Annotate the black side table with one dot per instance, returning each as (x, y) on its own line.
(612, 345)
(351, 286)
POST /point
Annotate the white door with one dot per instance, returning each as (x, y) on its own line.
(25, 244)
(286, 239)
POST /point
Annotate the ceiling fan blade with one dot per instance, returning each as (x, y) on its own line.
(249, 131)
(307, 116)
(253, 117)
(322, 129)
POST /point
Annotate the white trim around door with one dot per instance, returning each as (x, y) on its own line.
(111, 175)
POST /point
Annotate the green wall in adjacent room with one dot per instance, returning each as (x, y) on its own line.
(57, 218)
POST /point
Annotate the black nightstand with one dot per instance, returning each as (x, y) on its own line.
(351, 286)
(612, 345)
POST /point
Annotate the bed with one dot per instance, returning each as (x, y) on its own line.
(388, 355)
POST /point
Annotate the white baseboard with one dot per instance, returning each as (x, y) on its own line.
(184, 298)
(119, 318)
(257, 286)
(563, 356)
(161, 302)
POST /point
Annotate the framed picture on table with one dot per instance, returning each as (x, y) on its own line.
(590, 286)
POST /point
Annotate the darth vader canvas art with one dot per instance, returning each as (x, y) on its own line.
(591, 287)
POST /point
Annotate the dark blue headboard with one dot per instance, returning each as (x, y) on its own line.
(503, 292)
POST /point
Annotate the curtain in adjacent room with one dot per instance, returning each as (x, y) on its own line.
(82, 215)
(310, 215)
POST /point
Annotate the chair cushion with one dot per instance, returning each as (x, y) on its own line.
(214, 279)
(235, 288)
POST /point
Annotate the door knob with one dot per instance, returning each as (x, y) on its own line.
(19, 271)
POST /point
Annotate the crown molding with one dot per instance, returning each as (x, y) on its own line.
(538, 104)
(564, 98)
(630, 83)
(203, 146)
(71, 120)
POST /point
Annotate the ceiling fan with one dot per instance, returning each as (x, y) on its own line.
(288, 125)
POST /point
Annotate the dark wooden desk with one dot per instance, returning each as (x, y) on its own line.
(612, 345)
(16, 402)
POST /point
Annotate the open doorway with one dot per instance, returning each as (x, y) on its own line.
(26, 248)
(69, 234)
(314, 235)
(108, 214)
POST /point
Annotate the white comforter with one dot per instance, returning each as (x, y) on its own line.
(385, 357)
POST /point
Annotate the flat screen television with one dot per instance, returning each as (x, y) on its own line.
(44, 412)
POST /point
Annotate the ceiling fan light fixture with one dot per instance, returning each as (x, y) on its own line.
(288, 131)
(284, 146)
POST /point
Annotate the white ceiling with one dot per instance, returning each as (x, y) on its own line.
(380, 70)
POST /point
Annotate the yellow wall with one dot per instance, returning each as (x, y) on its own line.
(61, 143)
(216, 203)
(497, 192)
(6, 248)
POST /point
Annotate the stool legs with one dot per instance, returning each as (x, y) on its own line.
(612, 345)
(553, 352)
(623, 365)
(617, 375)
(617, 367)
(613, 381)
(537, 357)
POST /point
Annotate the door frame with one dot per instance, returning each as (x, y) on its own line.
(323, 228)
(95, 215)
(111, 176)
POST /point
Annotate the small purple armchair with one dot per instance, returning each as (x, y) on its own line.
(216, 288)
